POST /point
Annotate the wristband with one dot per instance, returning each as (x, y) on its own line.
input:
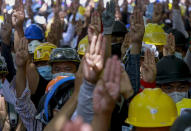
(147, 84)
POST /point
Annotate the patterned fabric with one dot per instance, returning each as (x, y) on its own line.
(23, 105)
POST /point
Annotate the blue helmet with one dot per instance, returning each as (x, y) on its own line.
(34, 32)
(55, 99)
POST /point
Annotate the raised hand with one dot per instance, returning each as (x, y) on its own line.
(22, 53)
(169, 48)
(55, 34)
(107, 90)
(6, 29)
(74, 7)
(29, 10)
(95, 25)
(94, 59)
(18, 15)
(157, 15)
(77, 125)
(137, 29)
(108, 17)
(148, 68)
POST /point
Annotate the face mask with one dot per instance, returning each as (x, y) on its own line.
(45, 72)
(178, 96)
(63, 74)
(178, 55)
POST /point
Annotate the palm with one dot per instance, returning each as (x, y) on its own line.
(137, 32)
(137, 26)
(107, 89)
(148, 73)
(94, 59)
(18, 18)
(92, 66)
(148, 68)
(22, 53)
(20, 59)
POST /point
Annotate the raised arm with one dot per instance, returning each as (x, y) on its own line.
(6, 31)
(132, 63)
(106, 95)
(92, 67)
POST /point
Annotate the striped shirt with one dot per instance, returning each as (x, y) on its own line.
(23, 105)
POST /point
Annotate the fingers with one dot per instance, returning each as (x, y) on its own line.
(107, 70)
(93, 44)
(107, 7)
(112, 69)
(146, 59)
(102, 51)
(99, 44)
(117, 73)
(153, 57)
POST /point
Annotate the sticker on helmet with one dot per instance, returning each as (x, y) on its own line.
(154, 111)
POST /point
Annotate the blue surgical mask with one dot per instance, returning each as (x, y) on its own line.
(45, 72)
(63, 74)
(178, 55)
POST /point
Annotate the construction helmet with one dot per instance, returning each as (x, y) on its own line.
(3, 66)
(185, 103)
(59, 94)
(43, 51)
(155, 35)
(83, 46)
(172, 69)
(54, 81)
(152, 108)
(32, 46)
(64, 54)
(34, 32)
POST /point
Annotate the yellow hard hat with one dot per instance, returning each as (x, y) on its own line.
(81, 10)
(155, 35)
(83, 46)
(170, 6)
(152, 108)
(43, 51)
(1, 18)
(183, 104)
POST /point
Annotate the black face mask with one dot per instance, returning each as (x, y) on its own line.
(116, 49)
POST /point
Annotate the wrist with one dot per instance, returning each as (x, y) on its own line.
(20, 32)
(136, 48)
(104, 115)
(6, 41)
(21, 67)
